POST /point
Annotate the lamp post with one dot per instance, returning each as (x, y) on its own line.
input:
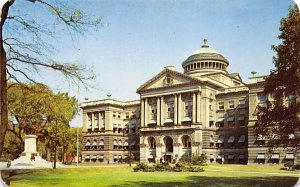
(55, 145)
(77, 146)
(129, 143)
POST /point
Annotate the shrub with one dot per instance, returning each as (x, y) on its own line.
(159, 167)
(140, 167)
(165, 167)
(289, 164)
(186, 157)
(196, 159)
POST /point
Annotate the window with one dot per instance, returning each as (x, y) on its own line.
(211, 141)
(127, 115)
(220, 122)
(115, 128)
(221, 105)
(119, 116)
(152, 143)
(114, 115)
(261, 140)
(188, 109)
(170, 110)
(115, 143)
(101, 144)
(153, 112)
(211, 123)
(120, 128)
(186, 141)
(231, 104)
(241, 120)
(231, 141)
(220, 142)
(96, 118)
(262, 99)
(242, 103)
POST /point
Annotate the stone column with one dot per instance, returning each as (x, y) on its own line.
(146, 112)
(204, 109)
(100, 120)
(158, 111)
(142, 113)
(194, 109)
(84, 121)
(158, 152)
(93, 121)
(198, 107)
(143, 158)
(162, 112)
(175, 110)
(108, 120)
(179, 109)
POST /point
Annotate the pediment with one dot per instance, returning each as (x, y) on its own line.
(167, 78)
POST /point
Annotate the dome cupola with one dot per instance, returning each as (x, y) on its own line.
(205, 60)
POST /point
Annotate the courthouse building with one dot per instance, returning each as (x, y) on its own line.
(205, 109)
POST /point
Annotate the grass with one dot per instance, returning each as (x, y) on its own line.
(214, 175)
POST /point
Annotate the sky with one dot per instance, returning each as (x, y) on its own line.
(137, 39)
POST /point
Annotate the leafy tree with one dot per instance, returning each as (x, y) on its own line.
(279, 120)
(25, 46)
(28, 103)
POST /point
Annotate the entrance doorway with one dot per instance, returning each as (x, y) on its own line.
(169, 149)
(168, 158)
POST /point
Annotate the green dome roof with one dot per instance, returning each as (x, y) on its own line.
(205, 53)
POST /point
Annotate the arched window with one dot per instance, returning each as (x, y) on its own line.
(152, 142)
(169, 144)
(101, 144)
(220, 142)
(186, 141)
(115, 144)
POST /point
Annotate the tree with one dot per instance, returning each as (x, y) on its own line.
(279, 121)
(26, 48)
(28, 103)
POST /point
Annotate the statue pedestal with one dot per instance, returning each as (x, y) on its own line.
(30, 157)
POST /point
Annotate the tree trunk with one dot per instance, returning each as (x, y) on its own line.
(3, 80)
(48, 151)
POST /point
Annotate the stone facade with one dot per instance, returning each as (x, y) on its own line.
(203, 110)
(110, 130)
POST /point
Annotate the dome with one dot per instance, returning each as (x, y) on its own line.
(204, 61)
(205, 53)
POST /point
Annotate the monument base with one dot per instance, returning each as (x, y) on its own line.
(30, 158)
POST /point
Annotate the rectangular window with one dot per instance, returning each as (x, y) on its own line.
(188, 109)
(220, 124)
(242, 123)
(170, 110)
(231, 104)
(211, 123)
(96, 118)
(221, 105)
(242, 103)
(262, 99)
(153, 112)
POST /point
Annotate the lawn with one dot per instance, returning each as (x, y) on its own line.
(214, 175)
